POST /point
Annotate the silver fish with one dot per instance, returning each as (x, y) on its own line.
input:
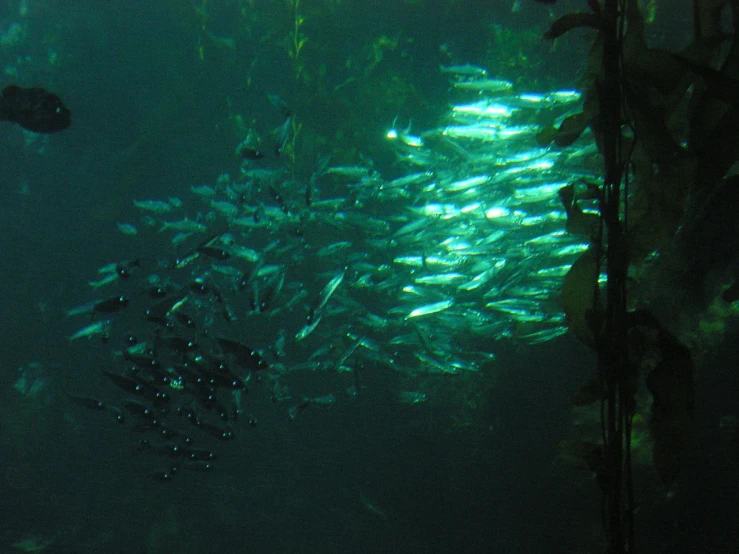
(101, 328)
(154, 206)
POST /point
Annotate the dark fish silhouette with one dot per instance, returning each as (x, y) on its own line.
(34, 109)
(249, 153)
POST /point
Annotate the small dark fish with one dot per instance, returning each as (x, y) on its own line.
(195, 252)
(217, 374)
(142, 360)
(169, 433)
(123, 269)
(243, 355)
(159, 313)
(164, 475)
(157, 291)
(277, 196)
(34, 109)
(190, 414)
(250, 153)
(179, 344)
(198, 466)
(87, 402)
(198, 454)
(110, 305)
(204, 394)
(125, 383)
(226, 380)
(139, 409)
(138, 387)
(146, 425)
(156, 376)
(185, 319)
(166, 449)
(214, 252)
(216, 432)
(199, 286)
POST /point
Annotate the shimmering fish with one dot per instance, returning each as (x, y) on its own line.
(154, 206)
(100, 328)
(412, 397)
(226, 208)
(411, 180)
(440, 279)
(184, 226)
(434, 308)
(127, 229)
(203, 190)
(327, 292)
(333, 248)
(484, 85)
(466, 70)
(349, 171)
(308, 328)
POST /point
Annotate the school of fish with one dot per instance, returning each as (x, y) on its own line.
(258, 280)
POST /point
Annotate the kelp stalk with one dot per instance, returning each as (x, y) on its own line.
(613, 349)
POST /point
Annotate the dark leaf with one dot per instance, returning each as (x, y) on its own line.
(673, 397)
(580, 297)
(589, 393)
(571, 21)
(571, 129)
(588, 455)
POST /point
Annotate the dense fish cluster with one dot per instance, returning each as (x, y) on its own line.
(260, 277)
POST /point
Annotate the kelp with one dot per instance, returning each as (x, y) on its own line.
(586, 454)
(585, 224)
(568, 132)
(682, 113)
(580, 298)
(679, 137)
(590, 392)
(571, 21)
(669, 378)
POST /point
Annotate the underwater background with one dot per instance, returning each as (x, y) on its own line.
(162, 93)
